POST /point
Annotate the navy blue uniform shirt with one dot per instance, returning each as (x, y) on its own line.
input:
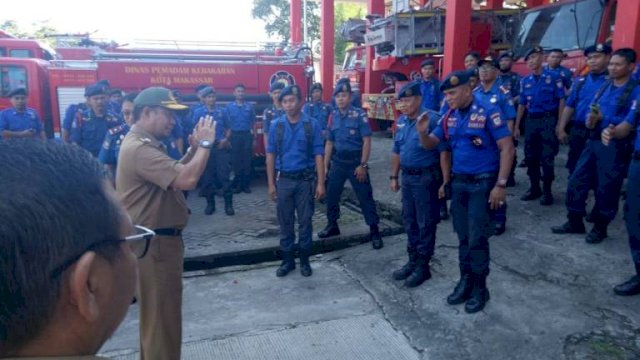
(608, 102)
(111, 144)
(406, 143)
(347, 129)
(219, 115)
(633, 118)
(582, 93)
(12, 120)
(472, 134)
(88, 130)
(294, 144)
(270, 114)
(511, 82)
(70, 114)
(565, 74)
(319, 111)
(240, 117)
(541, 93)
(497, 95)
(431, 95)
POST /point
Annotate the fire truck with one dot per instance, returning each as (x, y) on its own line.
(54, 84)
(403, 40)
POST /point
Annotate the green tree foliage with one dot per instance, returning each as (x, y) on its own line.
(40, 30)
(276, 15)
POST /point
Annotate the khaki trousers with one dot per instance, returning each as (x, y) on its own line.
(160, 299)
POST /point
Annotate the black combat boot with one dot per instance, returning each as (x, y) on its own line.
(629, 287)
(407, 268)
(288, 264)
(376, 238)
(228, 204)
(444, 211)
(330, 230)
(597, 233)
(533, 192)
(420, 274)
(574, 225)
(499, 229)
(211, 205)
(479, 294)
(305, 267)
(547, 196)
(462, 291)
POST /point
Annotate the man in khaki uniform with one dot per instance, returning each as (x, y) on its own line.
(150, 184)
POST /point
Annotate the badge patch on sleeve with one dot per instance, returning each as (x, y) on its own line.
(497, 119)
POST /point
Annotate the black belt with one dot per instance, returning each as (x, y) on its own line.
(543, 115)
(474, 178)
(418, 170)
(306, 174)
(168, 232)
(348, 155)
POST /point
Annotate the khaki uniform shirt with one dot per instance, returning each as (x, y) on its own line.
(144, 174)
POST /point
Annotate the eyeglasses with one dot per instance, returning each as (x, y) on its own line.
(138, 243)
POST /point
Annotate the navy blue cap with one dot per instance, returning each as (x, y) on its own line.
(290, 90)
(507, 54)
(207, 90)
(343, 80)
(534, 50)
(342, 87)
(427, 62)
(455, 79)
(278, 85)
(200, 87)
(410, 89)
(94, 89)
(17, 91)
(103, 83)
(316, 86)
(599, 48)
(473, 72)
(490, 61)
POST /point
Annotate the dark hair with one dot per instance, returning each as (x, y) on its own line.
(628, 53)
(53, 206)
(474, 54)
(130, 97)
(239, 86)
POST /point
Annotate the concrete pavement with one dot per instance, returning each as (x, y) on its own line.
(551, 297)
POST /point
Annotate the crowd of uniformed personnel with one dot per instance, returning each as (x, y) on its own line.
(455, 140)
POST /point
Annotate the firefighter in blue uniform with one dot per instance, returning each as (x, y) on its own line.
(356, 98)
(173, 142)
(274, 111)
(604, 164)
(218, 167)
(295, 167)
(580, 98)
(490, 92)
(542, 96)
(90, 126)
(111, 105)
(317, 109)
(20, 121)
(632, 202)
(482, 151)
(69, 114)
(240, 119)
(421, 180)
(507, 78)
(430, 86)
(554, 60)
(346, 155)
(108, 155)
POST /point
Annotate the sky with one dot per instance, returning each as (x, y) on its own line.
(126, 20)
